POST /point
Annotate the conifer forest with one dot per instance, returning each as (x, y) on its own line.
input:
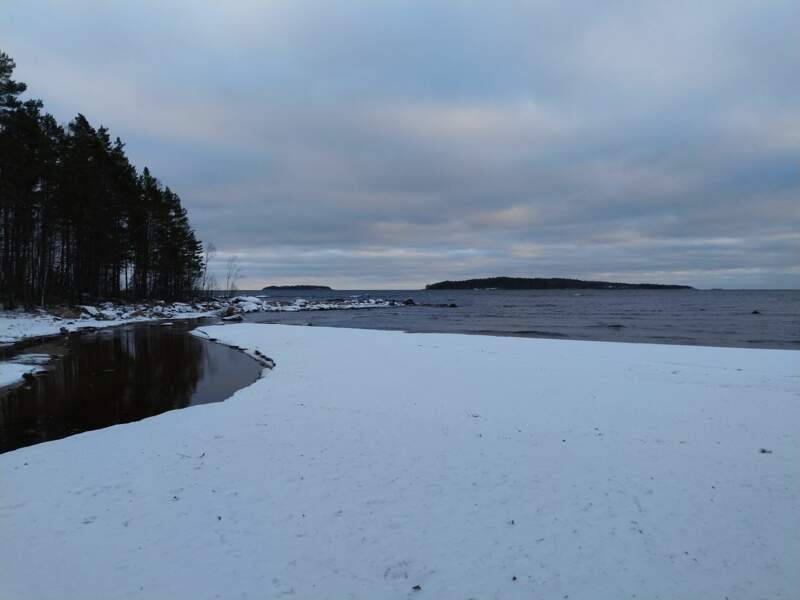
(77, 220)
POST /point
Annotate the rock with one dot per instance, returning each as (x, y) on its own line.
(230, 311)
(65, 312)
(28, 376)
(137, 313)
(755, 312)
(765, 451)
(249, 306)
(233, 318)
(409, 302)
(64, 331)
(452, 305)
(89, 310)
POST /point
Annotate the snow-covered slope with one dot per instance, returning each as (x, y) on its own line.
(370, 462)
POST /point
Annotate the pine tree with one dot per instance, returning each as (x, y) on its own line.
(76, 220)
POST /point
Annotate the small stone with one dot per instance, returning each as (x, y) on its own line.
(417, 588)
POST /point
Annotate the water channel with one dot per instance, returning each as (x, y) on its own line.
(118, 375)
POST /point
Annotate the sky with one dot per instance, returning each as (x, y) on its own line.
(388, 144)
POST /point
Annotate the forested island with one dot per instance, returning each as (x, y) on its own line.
(297, 287)
(77, 221)
(540, 283)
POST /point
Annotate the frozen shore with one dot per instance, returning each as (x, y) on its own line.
(370, 462)
(17, 326)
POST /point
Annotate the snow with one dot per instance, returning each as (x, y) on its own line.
(248, 299)
(249, 307)
(89, 310)
(12, 372)
(18, 325)
(369, 462)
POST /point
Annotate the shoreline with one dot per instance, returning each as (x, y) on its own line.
(539, 467)
(20, 329)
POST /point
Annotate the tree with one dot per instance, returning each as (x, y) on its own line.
(9, 89)
(233, 273)
(207, 280)
(76, 220)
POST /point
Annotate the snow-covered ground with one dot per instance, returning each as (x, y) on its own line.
(368, 463)
(18, 325)
(14, 371)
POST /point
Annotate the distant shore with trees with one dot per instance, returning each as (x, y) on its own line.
(77, 220)
(540, 283)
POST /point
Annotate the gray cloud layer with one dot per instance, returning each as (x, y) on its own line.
(393, 143)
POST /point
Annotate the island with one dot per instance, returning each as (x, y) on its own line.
(540, 283)
(296, 287)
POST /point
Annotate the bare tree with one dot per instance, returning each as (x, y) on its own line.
(207, 280)
(233, 273)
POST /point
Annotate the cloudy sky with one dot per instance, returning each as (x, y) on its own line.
(381, 144)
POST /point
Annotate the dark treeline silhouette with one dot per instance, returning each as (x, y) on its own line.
(552, 283)
(76, 220)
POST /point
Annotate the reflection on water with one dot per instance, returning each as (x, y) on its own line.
(116, 376)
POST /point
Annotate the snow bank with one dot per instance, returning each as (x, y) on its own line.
(14, 371)
(370, 462)
(11, 373)
(16, 325)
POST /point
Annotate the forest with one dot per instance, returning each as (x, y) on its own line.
(77, 221)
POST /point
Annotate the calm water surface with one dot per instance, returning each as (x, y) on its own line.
(116, 376)
(695, 317)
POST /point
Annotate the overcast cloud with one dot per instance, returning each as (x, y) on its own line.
(391, 144)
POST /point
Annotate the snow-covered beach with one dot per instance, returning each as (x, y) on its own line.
(368, 463)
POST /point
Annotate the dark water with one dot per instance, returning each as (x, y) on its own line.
(116, 376)
(695, 317)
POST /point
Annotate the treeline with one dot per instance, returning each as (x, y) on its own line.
(77, 221)
(541, 283)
